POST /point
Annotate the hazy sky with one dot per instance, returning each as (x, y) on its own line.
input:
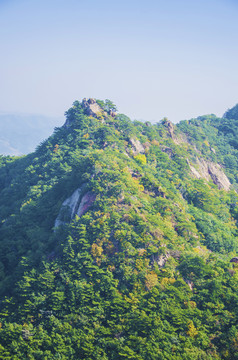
(154, 58)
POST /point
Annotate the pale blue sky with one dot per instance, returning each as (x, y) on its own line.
(152, 58)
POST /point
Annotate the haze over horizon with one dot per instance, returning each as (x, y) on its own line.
(154, 59)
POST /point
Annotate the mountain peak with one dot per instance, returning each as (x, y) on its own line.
(91, 107)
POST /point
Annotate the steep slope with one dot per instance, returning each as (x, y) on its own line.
(116, 241)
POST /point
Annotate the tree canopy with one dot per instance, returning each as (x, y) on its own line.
(116, 244)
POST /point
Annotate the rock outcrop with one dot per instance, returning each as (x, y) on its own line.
(189, 283)
(160, 259)
(169, 125)
(137, 147)
(85, 203)
(218, 176)
(91, 107)
(68, 208)
(76, 204)
(210, 171)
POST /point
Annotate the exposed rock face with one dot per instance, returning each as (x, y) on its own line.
(170, 127)
(68, 208)
(211, 171)
(195, 172)
(75, 204)
(137, 147)
(161, 260)
(86, 201)
(91, 107)
(190, 284)
(218, 176)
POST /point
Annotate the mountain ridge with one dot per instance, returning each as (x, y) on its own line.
(116, 240)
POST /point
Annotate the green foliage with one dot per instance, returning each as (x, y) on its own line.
(141, 273)
(232, 113)
(141, 159)
(107, 105)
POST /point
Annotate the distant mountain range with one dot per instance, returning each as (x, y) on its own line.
(20, 134)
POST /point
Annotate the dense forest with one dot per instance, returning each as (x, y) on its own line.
(119, 240)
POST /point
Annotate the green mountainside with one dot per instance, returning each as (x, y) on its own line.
(116, 240)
